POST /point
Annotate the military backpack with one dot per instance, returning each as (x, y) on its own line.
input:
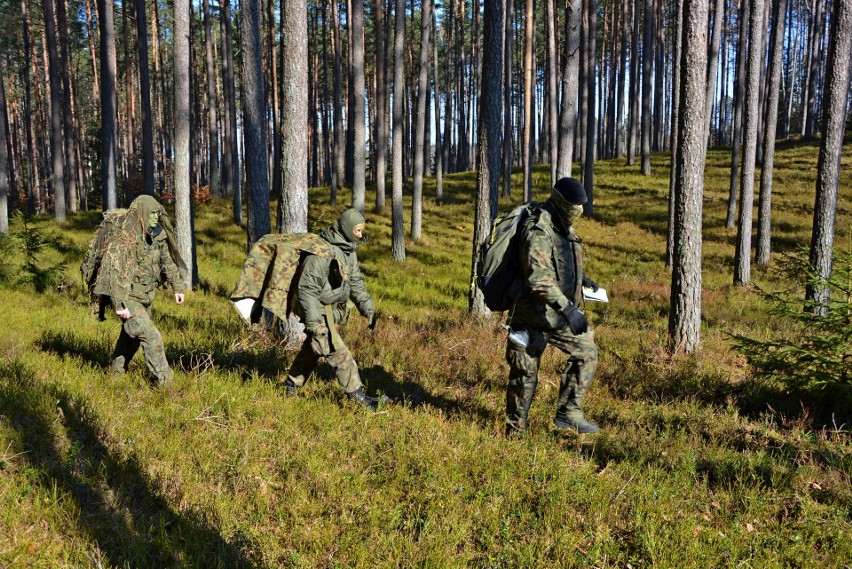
(499, 270)
(106, 232)
(270, 276)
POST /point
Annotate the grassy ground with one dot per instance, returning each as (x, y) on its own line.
(697, 465)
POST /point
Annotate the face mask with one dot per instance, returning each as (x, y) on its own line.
(574, 213)
(153, 219)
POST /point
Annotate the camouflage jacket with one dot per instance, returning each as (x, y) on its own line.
(552, 266)
(332, 281)
(153, 262)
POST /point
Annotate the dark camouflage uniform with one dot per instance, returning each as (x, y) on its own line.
(150, 258)
(326, 285)
(551, 261)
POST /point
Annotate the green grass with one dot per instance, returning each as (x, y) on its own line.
(698, 464)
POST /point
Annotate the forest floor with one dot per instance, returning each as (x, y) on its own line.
(698, 464)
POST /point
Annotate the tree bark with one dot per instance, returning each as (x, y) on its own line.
(764, 231)
(836, 94)
(212, 104)
(489, 145)
(357, 62)
(397, 227)
(508, 150)
(108, 104)
(338, 172)
(56, 140)
(233, 180)
(145, 89)
(293, 206)
(552, 85)
(570, 88)
(70, 135)
(633, 118)
(673, 187)
(381, 142)
(742, 259)
(809, 123)
(685, 305)
(32, 169)
(647, 82)
(526, 152)
(254, 121)
(183, 196)
(439, 163)
(420, 127)
(712, 63)
(739, 96)
(5, 189)
(591, 75)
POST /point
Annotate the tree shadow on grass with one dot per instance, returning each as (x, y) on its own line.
(122, 511)
(378, 379)
(67, 343)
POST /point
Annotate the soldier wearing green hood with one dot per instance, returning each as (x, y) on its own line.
(549, 313)
(326, 284)
(142, 254)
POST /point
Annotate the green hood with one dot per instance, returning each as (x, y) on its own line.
(341, 232)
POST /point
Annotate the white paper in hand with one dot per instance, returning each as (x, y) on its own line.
(244, 306)
(595, 295)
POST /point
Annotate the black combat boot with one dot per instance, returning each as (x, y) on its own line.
(583, 427)
(364, 400)
(290, 388)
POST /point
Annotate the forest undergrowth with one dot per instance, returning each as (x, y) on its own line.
(698, 464)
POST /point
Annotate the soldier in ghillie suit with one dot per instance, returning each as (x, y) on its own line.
(326, 284)
(549, 313)
(125, 266)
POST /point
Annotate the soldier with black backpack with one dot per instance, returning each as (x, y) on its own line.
(547, 311)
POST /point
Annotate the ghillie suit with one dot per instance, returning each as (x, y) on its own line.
(133, 252)
(112, 258)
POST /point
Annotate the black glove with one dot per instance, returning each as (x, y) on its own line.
(589, 283)
(577, 322)
(374, 318)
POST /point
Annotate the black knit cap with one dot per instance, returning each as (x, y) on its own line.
(570, 190)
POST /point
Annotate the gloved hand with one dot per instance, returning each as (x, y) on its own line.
(577, 322)
(589, 283)
(374, 318)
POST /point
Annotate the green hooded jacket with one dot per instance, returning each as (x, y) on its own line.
(335, 279)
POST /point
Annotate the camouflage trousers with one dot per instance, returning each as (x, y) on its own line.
(139, 330)
(339, 357)
(574, 380)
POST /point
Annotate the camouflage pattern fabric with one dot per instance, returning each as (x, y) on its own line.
(551, 261)
(574, 380)
(121, 251)
(319, 346)
(139, 330)
(272, 267)
(552, 264)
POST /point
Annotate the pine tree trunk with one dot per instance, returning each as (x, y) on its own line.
(835, 96)
(357, 75)
(621, 133)
(570, 88)
(5, 189)
(591, 75)
(32, 169)
(70, 135)
(647, 84)
(275, 170)
(254, 121)
(634, 119)
(421, 119)
(552, 95)
(232, 157)
(439, 163)
(397, 226)
(338, 173)
(526, 152)
(659, 75)
(673, 188)
(765, 203)
(813, 71)
(145, 90)
(183, 196)
(508, 41)
(212, 103)
(712, 63)
(739, 97)
(489, 143)
(381, 142)
(108, 105)
(742, 259)
(56, 140)
(685, 305)
(293, 205)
